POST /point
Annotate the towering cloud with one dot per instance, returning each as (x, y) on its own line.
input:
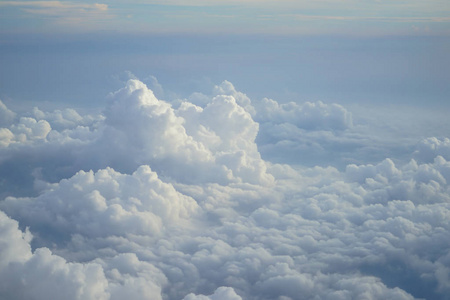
(152, 201)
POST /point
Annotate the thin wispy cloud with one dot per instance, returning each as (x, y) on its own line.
(363, 18)
(66, 13)
(229, 16)
(354, 5)
(57, 5)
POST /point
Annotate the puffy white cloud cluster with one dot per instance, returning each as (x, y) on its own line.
(118, 205)
(38, 124)
(149, 201)
(305, 133)
(68, 118)
(218, 139)
(424, 183)
(429, 148)
(27, 129)
(308, 115)
(190, 144)
(43, 275)
(222, 293)
(30, 129)
(40, 274)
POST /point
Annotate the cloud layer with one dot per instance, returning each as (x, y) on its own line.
(152, 200)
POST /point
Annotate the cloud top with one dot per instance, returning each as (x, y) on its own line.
(155, 200)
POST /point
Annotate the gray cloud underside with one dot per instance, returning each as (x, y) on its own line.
(152, 200)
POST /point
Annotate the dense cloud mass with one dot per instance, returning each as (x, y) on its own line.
(157, 200)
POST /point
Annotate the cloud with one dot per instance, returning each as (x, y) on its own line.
(64, 119)
(432, 19)
(6, 115)
(136, 129)
(146, 209)
(37, 275)
(208, 3)
(63, 12)
(304, 133)
(6, 137)
(222, 293)
(149, 200)
(429, 148)
(219, 139)
(52, 6)
(30, 129)
(308, 115)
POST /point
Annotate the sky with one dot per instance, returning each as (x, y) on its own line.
(263, 16)
(225, 150)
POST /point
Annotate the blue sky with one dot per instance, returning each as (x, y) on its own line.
(276, 17)
(344, 51)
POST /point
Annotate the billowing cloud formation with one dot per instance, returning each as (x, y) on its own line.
(218, 140)
(307, 133)
(114, 200)
(429, 148)
(222, 293)
(308, 116)
(189, 144)
(39, 275)
(152, 201)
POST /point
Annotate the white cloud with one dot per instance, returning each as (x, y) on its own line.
(64, 13)
(6, 115)
(369, 18)
(309, 115)
(219, 139)
(117, 204)
(429, 148)
(30, 129)
(151, 201)
(305, 133)
(227, 88)
(6, 137)
(222, 293)
(52, 7)
(188, 144)
(40, 275)
(65, 119)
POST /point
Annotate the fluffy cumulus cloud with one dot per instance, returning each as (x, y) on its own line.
(429, 148)
(40, 274)
(308, 115)
(148, 200)
(219, 139)
(119, 204)
(6, 115)
(222, 293)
